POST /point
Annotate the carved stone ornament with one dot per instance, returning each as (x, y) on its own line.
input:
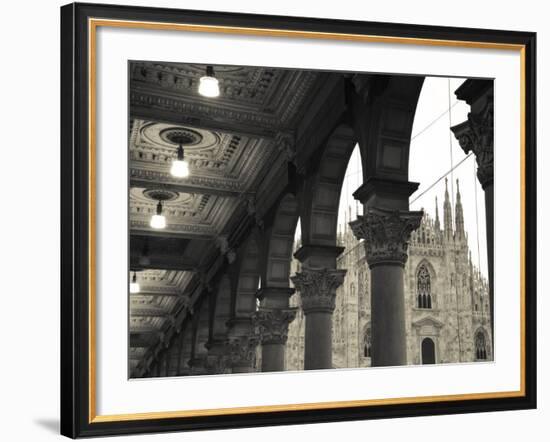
(476, 135)
(272, 324)
(317, 288)
(242, 350)
(386, 234)
(217, 360)
(285, 142)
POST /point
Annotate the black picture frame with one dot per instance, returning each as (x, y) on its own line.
(75, 220)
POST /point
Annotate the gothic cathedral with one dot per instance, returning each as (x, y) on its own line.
(446, 299)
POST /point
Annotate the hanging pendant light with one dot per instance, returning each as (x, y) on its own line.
(134, 285)
(158, 221)
(209, 84)
(180, 167)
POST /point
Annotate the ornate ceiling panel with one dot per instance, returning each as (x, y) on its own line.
(263, 96)
(186, 214)
(218, 162)
(230, 143)
(161, 296)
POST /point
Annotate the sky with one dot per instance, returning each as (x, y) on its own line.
(434, 152)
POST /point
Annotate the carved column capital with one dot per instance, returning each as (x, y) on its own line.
(242, 350)
(317, 288)
(386, 234)
(476, 135)
(272, 324)
(217, 360)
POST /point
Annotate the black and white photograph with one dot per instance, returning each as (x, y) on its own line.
(275, 221)
(288, 219)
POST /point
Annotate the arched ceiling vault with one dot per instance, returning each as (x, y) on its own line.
(244, 149)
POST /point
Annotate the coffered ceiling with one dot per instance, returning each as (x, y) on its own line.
(232, 145)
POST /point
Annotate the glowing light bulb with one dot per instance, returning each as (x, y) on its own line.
(158, 221)
(180, 167)
(134, 285)
(209, 85)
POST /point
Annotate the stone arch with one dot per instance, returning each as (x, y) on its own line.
(428, 351)
(383, 109)
(279, 243)
(319, 211)
(429, 265)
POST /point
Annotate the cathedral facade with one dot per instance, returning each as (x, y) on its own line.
(446, 299)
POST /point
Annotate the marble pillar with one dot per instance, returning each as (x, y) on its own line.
(317, 287)
(272, 325)
(386, 233)
(271, 322)
(476, 135)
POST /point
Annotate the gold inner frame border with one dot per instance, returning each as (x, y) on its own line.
(93, 24)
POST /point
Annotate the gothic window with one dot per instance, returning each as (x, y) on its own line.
(481, 347)
(423, 287)
(367, 348)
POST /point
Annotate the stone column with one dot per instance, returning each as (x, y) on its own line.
(272, 325)
(317, 287)
(271, 321)
(164, 366)
(217, 360)
(476, 135)
(386, 233)
(242, 342)
(197, 365)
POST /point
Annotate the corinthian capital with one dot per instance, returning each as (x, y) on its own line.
(476, 135)
(217, 360)
(272, 324)
(317, 288)
(242, 350)
(386, 234)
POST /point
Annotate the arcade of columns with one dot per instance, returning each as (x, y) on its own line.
(222, 333)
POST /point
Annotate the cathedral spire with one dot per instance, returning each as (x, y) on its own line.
(459, 216)
(447, 214)
(437, 224)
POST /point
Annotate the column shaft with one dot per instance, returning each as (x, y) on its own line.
(273, 357)
(318, 341)
(386, 233)
(490, 253)
(317, 289)
(476, 135)
(271, 322)
(388, 341)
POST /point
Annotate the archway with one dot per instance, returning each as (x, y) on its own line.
(279, 243)
(428, 351)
